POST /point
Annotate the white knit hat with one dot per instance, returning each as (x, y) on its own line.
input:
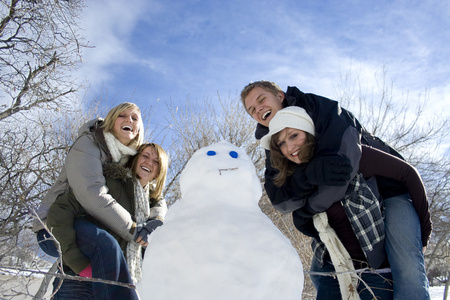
(292, 117)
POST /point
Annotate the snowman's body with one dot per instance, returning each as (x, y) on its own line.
(215, 242)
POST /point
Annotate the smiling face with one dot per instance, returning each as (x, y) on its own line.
(147, 166)
(127, 126)
(290, 141)
(262, 104)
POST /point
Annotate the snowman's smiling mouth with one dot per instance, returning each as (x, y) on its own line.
(229, 169)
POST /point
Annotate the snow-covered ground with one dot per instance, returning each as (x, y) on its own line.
(437, 292)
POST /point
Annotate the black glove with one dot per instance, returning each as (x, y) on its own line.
(329, 170)
(299, 184)
(147, 228)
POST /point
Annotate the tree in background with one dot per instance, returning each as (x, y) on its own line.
(39, 47)
(418, 134)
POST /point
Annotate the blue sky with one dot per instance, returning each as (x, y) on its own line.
(155, 50)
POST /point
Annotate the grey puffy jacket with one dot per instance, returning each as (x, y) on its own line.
(83, 174)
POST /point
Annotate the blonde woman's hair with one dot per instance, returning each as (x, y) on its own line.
(160, 179)
(284, 165)
(113, 114)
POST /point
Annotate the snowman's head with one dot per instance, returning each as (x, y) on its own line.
(221, 168)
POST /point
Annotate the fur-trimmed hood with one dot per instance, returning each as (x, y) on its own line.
(115, 171)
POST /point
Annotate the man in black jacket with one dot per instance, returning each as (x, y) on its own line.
(313, 188)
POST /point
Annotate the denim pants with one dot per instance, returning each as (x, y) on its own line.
(107, 261)
(73, 289)
(328, 287)
(404, 249)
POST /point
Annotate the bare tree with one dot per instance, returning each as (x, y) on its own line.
(31, 158)
(39, 46)
(411, 129)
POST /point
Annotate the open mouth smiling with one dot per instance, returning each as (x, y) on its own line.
(146, 169)
(127, 128)
(266, 115)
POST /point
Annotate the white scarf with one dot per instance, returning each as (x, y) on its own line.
(142, 213)
(119, 152)
(340, 258)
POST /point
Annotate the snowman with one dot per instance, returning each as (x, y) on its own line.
(215, 242)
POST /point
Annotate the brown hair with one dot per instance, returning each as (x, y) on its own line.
(163, 167)
(284, 165)
(269, 86)
(113, 114)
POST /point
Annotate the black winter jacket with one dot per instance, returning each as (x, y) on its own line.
(338, 132)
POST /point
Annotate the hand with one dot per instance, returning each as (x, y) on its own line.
(329, 170)
(145, 230)
(86, 272)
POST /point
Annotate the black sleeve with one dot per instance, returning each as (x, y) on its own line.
(292, 195)
(337, 133)
(379, 163)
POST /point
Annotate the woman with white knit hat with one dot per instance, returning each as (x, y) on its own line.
(345, 237)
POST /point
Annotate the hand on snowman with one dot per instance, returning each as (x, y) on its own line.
(144, 230)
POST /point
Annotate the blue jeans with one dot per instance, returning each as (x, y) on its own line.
(73, 289)
(328, 287)
(107, 261)
(46, 244)
(404, 249)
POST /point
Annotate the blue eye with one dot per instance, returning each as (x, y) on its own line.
(211, 153)
(233, 154)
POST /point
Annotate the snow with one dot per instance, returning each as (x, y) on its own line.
(215, 242)
(437, 292)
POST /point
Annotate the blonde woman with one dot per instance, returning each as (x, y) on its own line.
(138, 190)
(114, 139)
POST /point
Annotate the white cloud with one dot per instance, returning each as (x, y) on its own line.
(109, 27)
(197, 47)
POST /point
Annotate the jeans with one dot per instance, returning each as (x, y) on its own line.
(72, 289)
(404, 249)
(107, 261)
(46, 244)
(328, 287)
